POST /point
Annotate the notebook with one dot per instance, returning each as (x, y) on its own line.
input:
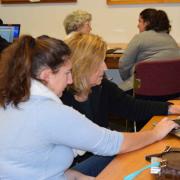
(10, 32)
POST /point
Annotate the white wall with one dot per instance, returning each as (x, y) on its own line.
(116, 23)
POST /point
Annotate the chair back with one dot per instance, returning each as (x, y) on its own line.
(157, 78)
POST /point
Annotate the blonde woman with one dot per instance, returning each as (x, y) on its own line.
(96, 97)
(78, 21)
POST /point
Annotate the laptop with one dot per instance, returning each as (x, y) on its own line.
(10, 32)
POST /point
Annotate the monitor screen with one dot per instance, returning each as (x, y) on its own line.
(9, 31)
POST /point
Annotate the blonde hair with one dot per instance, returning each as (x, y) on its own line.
(75, 20)
(88, 51)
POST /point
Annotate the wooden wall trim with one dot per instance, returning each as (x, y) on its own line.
(114, 2)
(35, 1)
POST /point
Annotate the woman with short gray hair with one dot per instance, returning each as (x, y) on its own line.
(78, 21)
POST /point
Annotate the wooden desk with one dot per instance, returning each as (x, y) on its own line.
(117, 45)
(112, 61)
(127, 163)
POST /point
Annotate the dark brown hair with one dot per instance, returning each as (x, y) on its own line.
(25, 59)
(157, 20)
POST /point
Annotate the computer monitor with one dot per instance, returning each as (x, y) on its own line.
(9, 31)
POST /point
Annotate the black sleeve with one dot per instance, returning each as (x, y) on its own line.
(130, 108)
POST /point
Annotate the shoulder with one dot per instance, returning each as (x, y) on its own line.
(145, 34)
(67, 97)
(136, 41)
(142, 39)
(106, 84)
(43, 104)
(50, 111)
(151, 34)
(110, 87)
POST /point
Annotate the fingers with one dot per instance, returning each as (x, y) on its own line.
(166, 122)
(174, 109)
(173, 121)
(177, 126)
(164, 127)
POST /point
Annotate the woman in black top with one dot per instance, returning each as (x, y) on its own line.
(108, 98)
(96, 97)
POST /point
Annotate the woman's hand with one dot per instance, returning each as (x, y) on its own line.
(164, 127)
(174, 109)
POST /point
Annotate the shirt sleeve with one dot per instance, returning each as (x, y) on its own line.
(126, 106)
(129, 58)
(64, 125)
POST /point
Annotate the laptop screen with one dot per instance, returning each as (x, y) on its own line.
(10, 31)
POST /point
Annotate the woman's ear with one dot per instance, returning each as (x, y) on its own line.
(45, 74)
(146, 23)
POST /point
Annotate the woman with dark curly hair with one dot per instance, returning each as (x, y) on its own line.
(152, 43)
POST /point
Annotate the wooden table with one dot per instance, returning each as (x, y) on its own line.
(127, 163)
(112, 61)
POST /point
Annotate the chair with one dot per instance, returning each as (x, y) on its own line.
(157, 80)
